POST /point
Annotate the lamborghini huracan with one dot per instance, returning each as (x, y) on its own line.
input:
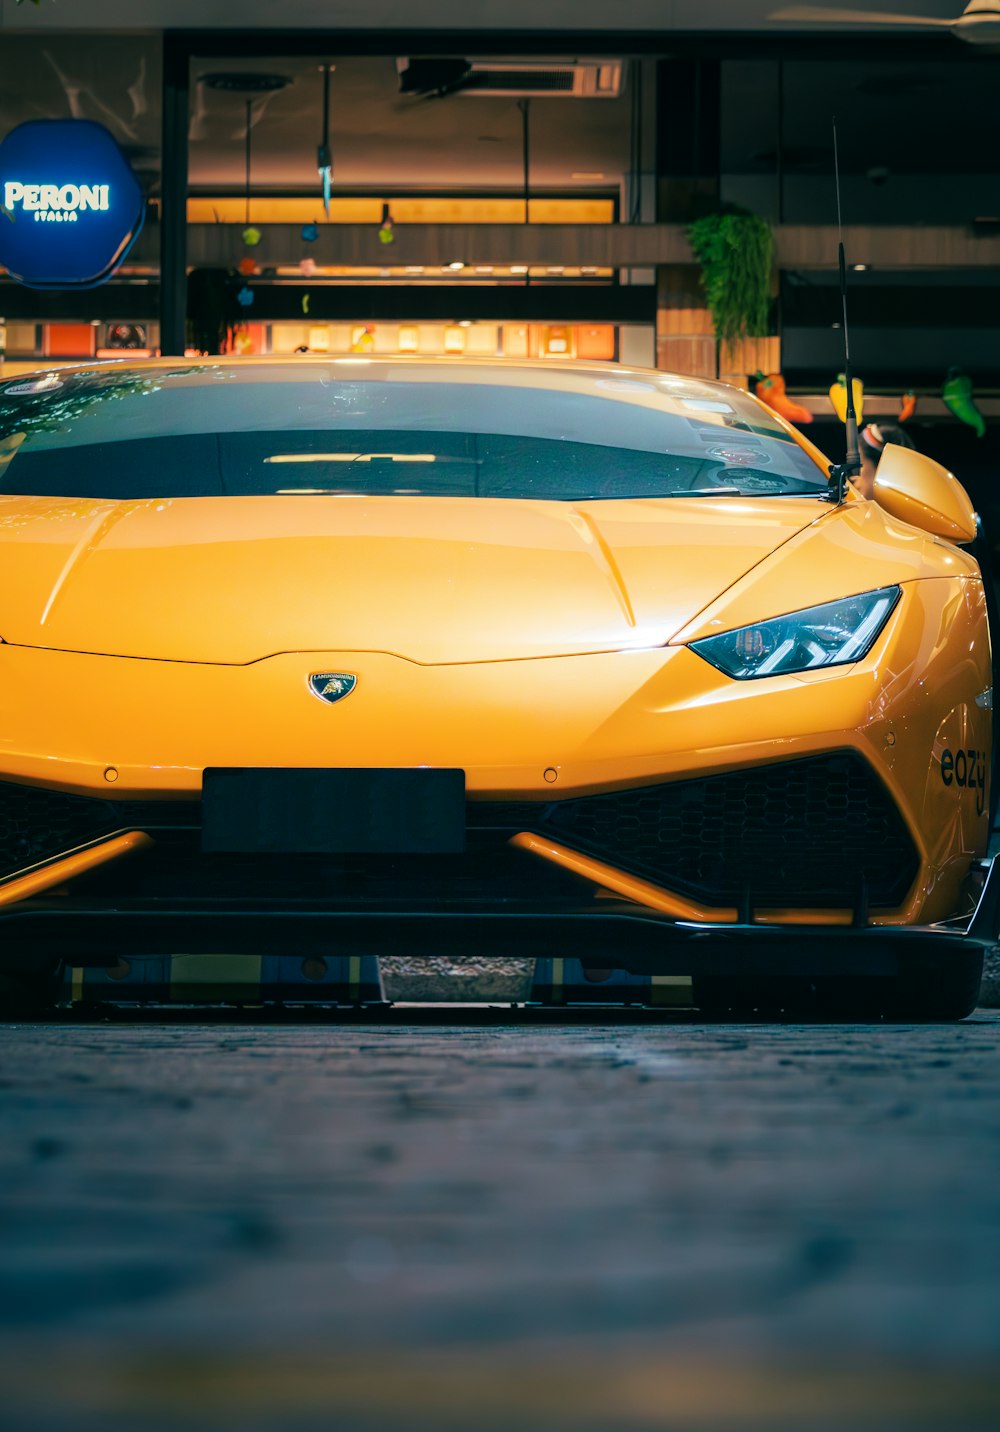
(450, 656)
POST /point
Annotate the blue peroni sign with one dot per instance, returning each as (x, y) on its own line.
(52, 203)
(71, 204)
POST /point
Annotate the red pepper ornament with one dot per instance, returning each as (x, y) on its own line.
(770, 389)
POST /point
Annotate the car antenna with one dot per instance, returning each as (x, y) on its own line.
(841, 472)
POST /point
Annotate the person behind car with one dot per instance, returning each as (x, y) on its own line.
(871, 440)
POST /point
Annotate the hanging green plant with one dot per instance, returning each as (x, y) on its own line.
(735, 252)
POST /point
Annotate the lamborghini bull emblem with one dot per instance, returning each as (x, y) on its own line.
(332, 685)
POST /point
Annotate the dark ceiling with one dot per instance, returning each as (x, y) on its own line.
(897, 118)
(382, 139)
(379, 137)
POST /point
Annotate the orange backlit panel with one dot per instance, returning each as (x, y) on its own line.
(69, 340)
(595, 341)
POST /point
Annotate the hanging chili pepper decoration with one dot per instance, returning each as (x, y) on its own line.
(770, 389)
(958, 399)
(838, 396)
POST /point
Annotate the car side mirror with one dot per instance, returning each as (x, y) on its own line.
(918, 490)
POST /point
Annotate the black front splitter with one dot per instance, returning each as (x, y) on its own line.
(35, 933)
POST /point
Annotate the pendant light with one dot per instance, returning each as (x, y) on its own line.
(324, 157)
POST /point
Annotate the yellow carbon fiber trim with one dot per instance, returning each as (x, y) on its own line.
(629, 886)
(57, 873)
(654, 897)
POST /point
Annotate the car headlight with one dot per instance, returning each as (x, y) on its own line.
(831, 635)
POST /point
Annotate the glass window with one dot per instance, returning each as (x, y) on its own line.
(217, 429)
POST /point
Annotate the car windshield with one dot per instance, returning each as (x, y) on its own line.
(379, 429)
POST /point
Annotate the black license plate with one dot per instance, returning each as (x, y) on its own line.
(334, 812)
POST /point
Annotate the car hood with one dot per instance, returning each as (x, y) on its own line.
(434, 580)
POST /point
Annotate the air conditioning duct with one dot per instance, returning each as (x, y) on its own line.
(512, 79)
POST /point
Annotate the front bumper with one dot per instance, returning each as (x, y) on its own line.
(766, 839)
(599, 739)
(38, 934)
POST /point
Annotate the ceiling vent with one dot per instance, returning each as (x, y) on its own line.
(595, 79)
(518, 79)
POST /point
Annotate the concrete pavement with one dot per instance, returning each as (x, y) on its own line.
(504, 1221)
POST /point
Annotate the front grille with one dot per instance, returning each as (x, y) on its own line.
(795, 834)
(36, 824)
(490, 873)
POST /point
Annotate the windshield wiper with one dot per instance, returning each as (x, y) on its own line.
(708, 492)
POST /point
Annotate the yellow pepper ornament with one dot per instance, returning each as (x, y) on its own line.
(838, 397)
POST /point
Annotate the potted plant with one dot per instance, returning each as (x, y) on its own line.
(735, 251)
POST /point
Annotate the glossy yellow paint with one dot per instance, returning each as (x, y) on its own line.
(504, 637)
(436, 580)
(853, 548)
(58, 872)
(914, 487)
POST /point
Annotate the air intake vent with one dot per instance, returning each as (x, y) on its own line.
(556, 79)
(534, 82)
(598, 79)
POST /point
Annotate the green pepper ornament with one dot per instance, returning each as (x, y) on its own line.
(957, 395)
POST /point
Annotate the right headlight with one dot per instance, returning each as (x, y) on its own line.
(830, 635)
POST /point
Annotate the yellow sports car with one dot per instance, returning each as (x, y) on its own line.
(448, 656)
